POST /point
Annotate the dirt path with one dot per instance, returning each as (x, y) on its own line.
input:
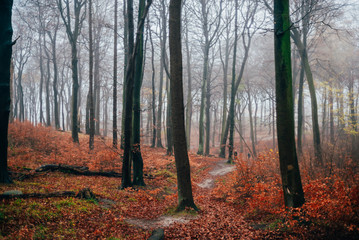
(221, 168)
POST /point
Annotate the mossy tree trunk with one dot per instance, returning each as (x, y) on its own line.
(291, 181)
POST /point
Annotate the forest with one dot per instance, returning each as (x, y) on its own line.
(179, 119)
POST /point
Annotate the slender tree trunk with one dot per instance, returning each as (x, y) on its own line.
(97, 87)
(114, 96)
(91, 97)
(203, 100)
(163, 49)
(189, 91)
(251, 124)
(126, 59)
(168, 120)
(47, 86)
(185, 197)
(154, 128)
(300, 111)
(324, 114)
(5, 59)
(233, 93)
(55, 81)
(331, 113)
(315, 122)
(291, 181)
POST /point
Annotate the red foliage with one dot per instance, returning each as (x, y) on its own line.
(330, 200)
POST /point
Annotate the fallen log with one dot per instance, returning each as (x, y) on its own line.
(85, 193)
(77, 170)
(39, 195)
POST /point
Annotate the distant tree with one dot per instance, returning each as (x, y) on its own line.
(91, 102)
(185, 197)
(248, 31)
(5, 60)
(73, 29)
(211, 26)
(163, 41)
(153, 102)
(114, 109)
(291, 181)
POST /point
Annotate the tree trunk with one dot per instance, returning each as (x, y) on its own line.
(315, 122)
(129, 85)
(5, 59)
(189, 91)
(91, 97)
(126, 58)
(130, 71)
(154, 128)
(163, 49)
(185, 197)
(300, 111)
(331, 112)
(203, 99)
(47, 86)
(233, 92)
(251, 124)
(54, 84)
(138, 77)
(97, 87)
(168, 119)
(291, 181)
(114, 97)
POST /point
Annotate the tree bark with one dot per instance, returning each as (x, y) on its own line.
(5, 59)
(185, 197)
(133, 48)
(291, 181)
(138, 77)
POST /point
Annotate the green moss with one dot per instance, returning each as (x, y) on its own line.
(165, 173)
(65, 203)
(41, 232)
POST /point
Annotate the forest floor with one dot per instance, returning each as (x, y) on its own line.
(241, 201)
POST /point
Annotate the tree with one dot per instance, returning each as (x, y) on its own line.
(138, 77)
(210, 30)
(91, 102)
(73, 34)
(53, 38)
(133, 47)
(185, 198)
(153, 102)
(163, 54)
(114, 110)
(5, 60)
(291, 181)
(247, 35)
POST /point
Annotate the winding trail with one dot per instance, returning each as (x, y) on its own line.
(221, 168)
